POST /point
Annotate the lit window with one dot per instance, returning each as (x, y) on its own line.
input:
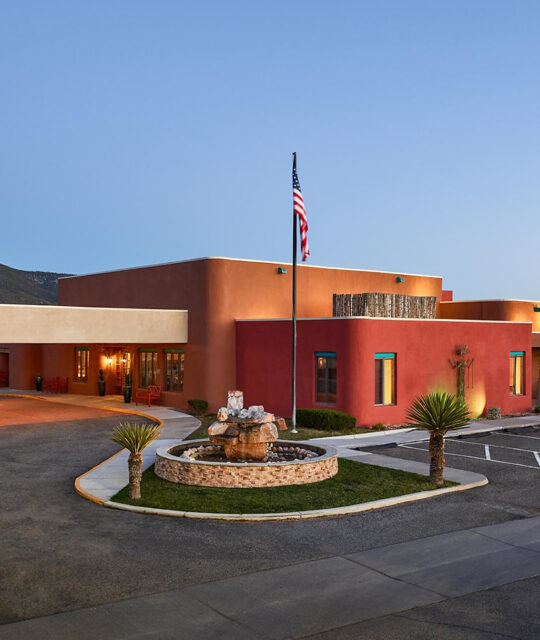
(517, 362)
(385, 378)
(325, 377)
(82, 358)
(147, 367)
(174, 359)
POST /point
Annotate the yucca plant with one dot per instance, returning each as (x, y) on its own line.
(438, 413)
(135, 437)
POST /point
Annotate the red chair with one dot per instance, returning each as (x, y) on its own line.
(50, 385)
(62, 385)
(3, 378)
(147, 395)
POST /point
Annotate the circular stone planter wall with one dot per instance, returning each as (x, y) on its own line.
(171, 467)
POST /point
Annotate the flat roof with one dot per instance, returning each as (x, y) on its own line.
(490, 300)
(394, 319)
(311, 266)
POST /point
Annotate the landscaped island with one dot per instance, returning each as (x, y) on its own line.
(354, 483)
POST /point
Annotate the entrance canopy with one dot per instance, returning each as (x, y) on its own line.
(43, 324)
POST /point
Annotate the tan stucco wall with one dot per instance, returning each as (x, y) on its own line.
(41, 324)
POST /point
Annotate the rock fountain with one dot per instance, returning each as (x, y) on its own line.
(243, 451)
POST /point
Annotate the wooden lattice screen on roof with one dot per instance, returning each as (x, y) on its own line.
(384, 305)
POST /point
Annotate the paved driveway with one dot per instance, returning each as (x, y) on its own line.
(60, 552)
(16, 410)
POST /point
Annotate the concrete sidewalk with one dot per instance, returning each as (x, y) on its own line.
(404, 436)
(311, 597)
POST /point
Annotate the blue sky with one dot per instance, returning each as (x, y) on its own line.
(145, 132)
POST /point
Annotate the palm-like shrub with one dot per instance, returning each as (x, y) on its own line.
(438, 413)
(135, 438)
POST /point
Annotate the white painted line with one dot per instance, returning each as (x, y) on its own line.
(462, 455)
(488, 455)
(514, 435)
(497, 446)
(537, 456)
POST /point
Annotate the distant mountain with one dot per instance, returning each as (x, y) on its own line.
(28, 287)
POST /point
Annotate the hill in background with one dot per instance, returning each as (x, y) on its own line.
(28, 287)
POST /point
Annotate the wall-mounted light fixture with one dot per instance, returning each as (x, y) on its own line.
(536, 309)
(109, 361)
(400, 279)
(282, 270)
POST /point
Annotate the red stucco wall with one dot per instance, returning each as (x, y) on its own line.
(216, 292)
(423, 349)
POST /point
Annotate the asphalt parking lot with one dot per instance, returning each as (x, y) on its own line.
(510, 459)
(515, 448)
(60, 552)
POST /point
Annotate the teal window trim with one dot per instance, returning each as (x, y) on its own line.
(385, 355)
(536, 309)
(517, 353)
(325, 354)
(82, 348)
(147, 350)
(173, 351)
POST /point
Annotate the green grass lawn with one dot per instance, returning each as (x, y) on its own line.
(303, 433)
(354, 483)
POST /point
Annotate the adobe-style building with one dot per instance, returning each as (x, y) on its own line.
(368, 341)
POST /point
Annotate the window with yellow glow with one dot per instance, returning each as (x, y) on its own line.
(326, 377)
(147, 366)
(385, 378)
(174, 360)
(82, 359)
(517, 367)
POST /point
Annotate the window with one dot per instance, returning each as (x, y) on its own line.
(326, 377)
(82, 358)
(174, 360)
(385, 378)
(148, 367)
(517, 361)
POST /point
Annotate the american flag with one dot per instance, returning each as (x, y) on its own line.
(301, 212)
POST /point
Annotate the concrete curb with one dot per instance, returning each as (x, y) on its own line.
(475, 480)
(357, 436)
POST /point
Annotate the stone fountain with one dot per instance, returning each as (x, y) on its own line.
(245, 433)
(243, 451)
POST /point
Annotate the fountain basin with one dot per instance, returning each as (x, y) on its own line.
(235, 474)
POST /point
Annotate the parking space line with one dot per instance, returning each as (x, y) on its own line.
(537, 456)
(486, 449)
(496, 446)
(514, 435)
(462, 455)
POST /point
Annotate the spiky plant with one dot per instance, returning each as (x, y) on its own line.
(135, 437)
(438, 413)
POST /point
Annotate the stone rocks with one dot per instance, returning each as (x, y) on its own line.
(235, 400)
(244, 433)
(280, 424)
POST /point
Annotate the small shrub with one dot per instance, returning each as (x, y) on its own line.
(378, 427)
(494, 413)
(198, 406)
(325, 419)
(537, 409)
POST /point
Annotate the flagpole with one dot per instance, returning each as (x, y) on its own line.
(295, 242)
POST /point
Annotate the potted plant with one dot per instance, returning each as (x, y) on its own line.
(101, 383)
(38, 382)
(127, 389)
